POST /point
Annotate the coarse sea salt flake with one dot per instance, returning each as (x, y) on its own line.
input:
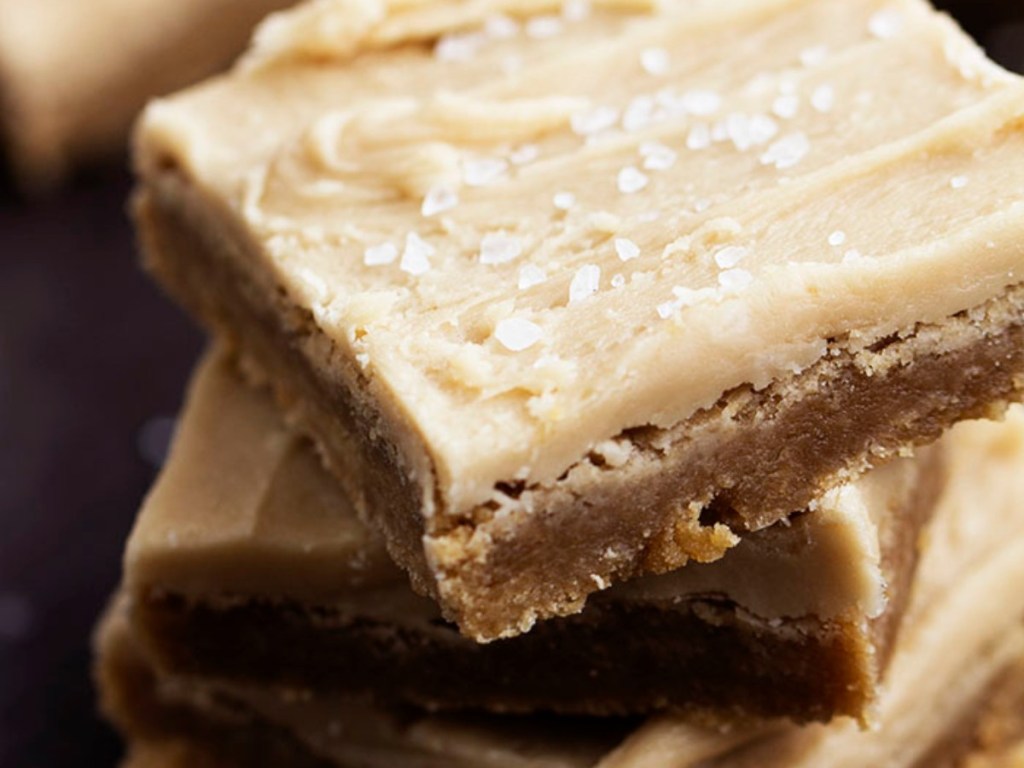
(626, 248)
(592, 121)
(735, 279)
(958, 182)
(516, 334)
(786, 106)
(500, 248)
(655, 61)
(886, 23)
(530, 275)
(618, 280)
(837, 238)
(702, 103)
(563, 201)
(584, 283)
(458, 47)
(787, 151)
(378, 255)
(657, 157)
(631, 180)
(543, 27)
(812, 57)
(666, 309)
(823, 98)
(479, 172)
(501, 27)
(699, 137)
(639, 114)
(416, 256)
(730, 256)
(439, 199)
(576, 10)
(524, 153)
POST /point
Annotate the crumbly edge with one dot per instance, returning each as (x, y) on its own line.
(688, 490)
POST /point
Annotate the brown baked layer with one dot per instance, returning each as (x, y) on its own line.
(618, 659)
(172, 723)
(700, 653)
(752, 460)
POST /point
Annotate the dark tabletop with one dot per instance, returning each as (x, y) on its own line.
(92, 365)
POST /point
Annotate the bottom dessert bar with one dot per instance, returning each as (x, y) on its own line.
(959, 654)
(247, 564)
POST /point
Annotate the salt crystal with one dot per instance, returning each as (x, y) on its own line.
(576, 10)
(702, 103)
(852, 255)
(543, 27)
(787, 151)
(654, 61)
(958, 182)
(886, 24)
(584, 283)
(631, 180)
(523, 154)
(618, 280)
(563, 201)
(699, 137)
(626, 248)
(416, 256)
(530, 275)
(480, 172)
(458, 47)
(439, 199)
(657, 157)
(837, 238)
(786, 106)
(516, 334)
(594, 120)
(639, 114)
(378, 255)
(812, 57)
(735, 279)
(762, 129)
(730, 256)
(823, 98)
(501, 27)
(500, 248)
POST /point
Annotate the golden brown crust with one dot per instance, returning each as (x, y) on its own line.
(771, 456)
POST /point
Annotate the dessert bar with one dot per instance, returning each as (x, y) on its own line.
(69, 90)
(571, 293)
(247, 563)
(950, 689)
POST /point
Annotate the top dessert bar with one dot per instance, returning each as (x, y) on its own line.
(570, 293)
(69, 92)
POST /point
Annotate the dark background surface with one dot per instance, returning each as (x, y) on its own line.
(92, 365)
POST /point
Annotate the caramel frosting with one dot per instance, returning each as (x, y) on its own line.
(528, 226)
(963, 628)
(243, 509)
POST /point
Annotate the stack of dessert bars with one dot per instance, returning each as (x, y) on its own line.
(591, 385)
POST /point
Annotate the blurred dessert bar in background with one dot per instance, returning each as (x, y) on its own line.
(73, 75)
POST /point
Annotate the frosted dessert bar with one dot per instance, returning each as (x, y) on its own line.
(951, 697)
(567, 294)
(247, 563)
(75, 73)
